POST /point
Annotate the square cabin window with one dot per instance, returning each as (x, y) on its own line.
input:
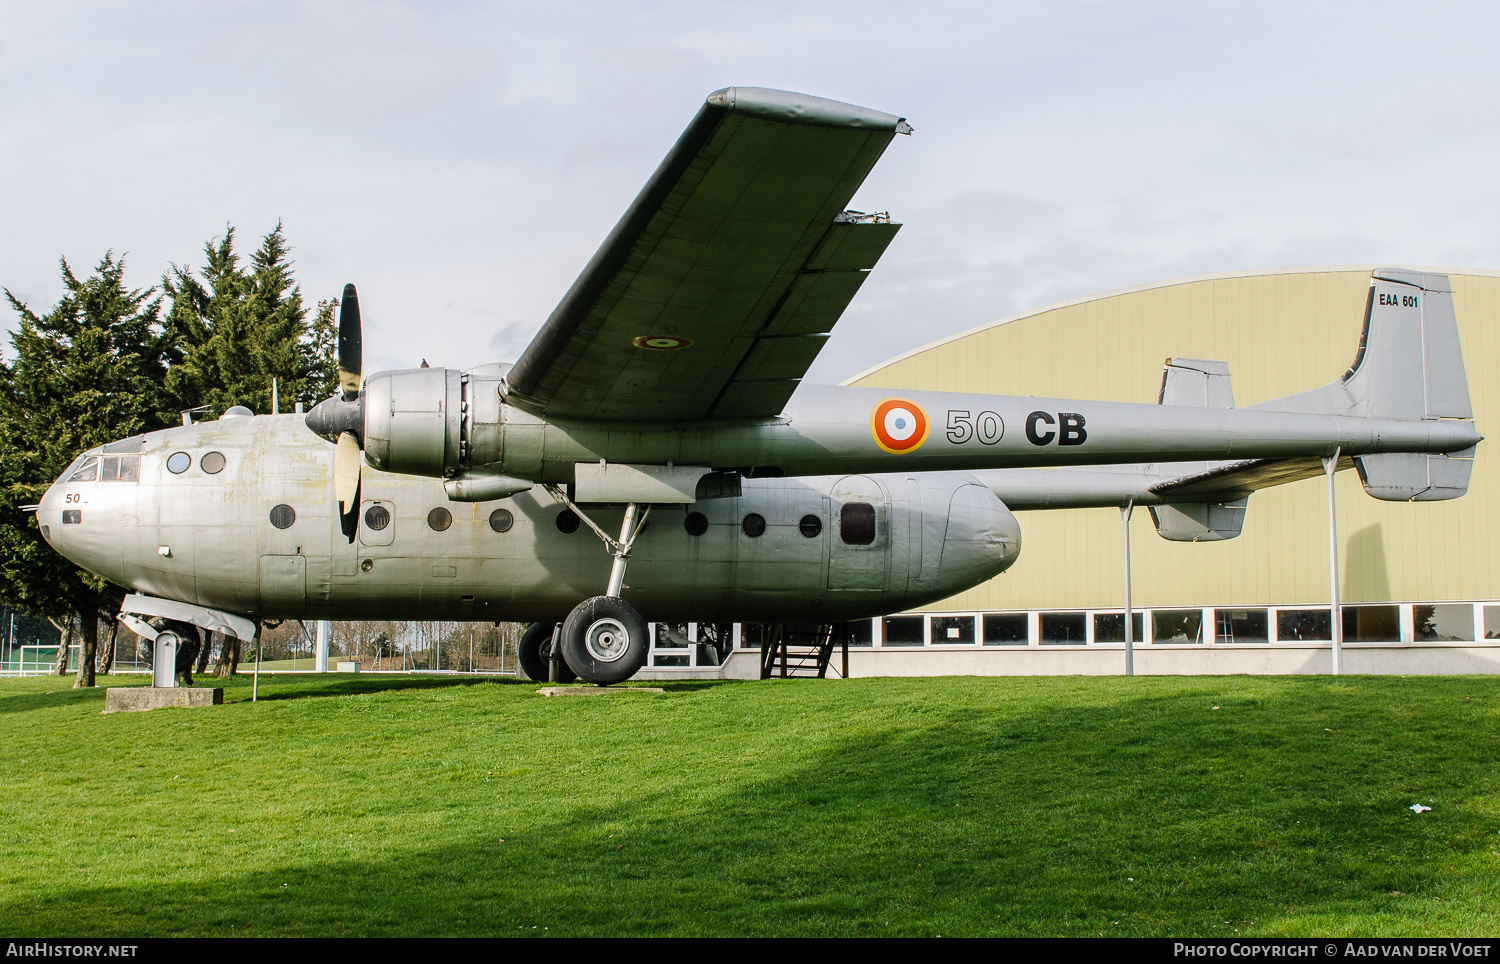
(1063, 629)
(953, 630)
(1443, 622)
(903, 631)
(1007, 629)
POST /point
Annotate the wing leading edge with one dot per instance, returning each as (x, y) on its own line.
(719, 286)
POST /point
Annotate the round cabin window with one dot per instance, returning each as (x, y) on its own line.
(212, 463)
(810, 526)
(377, 517)
(501, 520)
(283, 516)
(754, 524)
(439, 519)
(178, 462)
(567, 521)
(696, 523)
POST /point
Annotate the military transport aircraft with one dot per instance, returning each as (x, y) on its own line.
(660, 406)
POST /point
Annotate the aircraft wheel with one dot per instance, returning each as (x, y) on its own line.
(533, 654)
(605, 640)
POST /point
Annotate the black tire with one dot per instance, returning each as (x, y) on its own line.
(605, 640)
(533, 654)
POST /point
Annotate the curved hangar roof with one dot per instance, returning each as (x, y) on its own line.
(1281, 332)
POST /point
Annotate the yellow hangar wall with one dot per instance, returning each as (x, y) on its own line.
(1281, 332)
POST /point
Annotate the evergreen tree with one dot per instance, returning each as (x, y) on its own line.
(89, 371)
(239, 327)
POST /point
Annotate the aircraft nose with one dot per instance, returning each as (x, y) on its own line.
(49, 514)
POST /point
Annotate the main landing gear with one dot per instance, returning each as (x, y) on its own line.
(604, 639)
(534, 653)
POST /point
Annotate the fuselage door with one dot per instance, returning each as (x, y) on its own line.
(860, 546)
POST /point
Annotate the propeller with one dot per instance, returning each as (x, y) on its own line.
(341, 419)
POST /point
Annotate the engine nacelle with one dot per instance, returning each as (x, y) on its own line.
(414, 421)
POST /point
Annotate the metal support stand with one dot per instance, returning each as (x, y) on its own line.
(1125, 512)
(163, 659)
(1336, 630)
(320, 659)
(255, 685)
(554, 655)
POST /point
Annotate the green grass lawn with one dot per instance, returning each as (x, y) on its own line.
(370, 805)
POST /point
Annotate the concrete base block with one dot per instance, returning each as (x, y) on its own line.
(133, 699)
(595, 690)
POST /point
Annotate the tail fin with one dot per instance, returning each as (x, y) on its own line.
(1409, 366)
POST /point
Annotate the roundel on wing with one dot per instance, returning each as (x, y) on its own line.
(661, 342)
(899, 425)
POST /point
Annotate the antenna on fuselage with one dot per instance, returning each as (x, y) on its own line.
(187, 416)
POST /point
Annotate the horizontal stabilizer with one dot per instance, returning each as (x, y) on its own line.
(1199, 521)
(1416, 476)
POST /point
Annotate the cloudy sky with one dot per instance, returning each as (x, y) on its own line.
(461, 161)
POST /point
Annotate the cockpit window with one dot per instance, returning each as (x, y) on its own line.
(126, 445)
(121, 468)
(87, 471)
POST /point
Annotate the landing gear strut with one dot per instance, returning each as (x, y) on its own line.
(604, 639)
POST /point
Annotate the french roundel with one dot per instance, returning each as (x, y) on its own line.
(899, 425)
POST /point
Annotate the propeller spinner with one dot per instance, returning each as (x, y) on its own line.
(341, 419)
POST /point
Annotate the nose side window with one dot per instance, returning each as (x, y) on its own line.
(87, 472)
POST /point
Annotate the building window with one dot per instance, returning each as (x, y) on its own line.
(1293, 625)
(1446, 622)
(953, 630)
(1110, 627)
(904, 631)
(1176, 626)
(1241, 626)
(1006, 629)
(1063, 629)
(1376, 624)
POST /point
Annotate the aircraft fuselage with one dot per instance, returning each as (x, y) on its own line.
(260, 536)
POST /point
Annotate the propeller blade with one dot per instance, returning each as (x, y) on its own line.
(351, 359)
(349, 521)
(346, 460)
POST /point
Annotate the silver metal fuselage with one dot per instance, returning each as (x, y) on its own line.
(208, 539)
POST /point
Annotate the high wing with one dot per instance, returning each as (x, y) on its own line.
(719, 286)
